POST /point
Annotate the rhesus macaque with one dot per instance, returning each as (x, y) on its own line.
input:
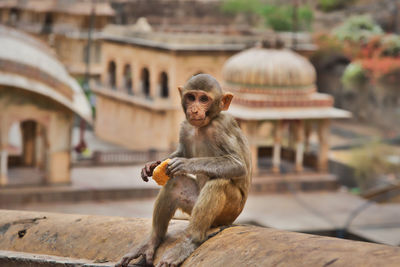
(213, 148)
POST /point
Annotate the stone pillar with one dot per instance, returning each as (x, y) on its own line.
(39, 145)
(254, 158)
(135, 78)
(323, 135)
(299, 146)
(3, 167)
(276, 156)
(154, 82)
(3, 157)
(249, 129)
(308, 129)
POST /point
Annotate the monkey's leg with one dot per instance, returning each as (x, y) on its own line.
(219, 203)
(179, 192)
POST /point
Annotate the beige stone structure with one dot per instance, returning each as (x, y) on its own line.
(277, 105)
(137, 103)
(64, 26)
(38, 98)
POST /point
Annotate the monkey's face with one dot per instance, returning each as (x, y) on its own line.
(196, 106)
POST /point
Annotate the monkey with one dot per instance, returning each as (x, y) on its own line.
(213, 149)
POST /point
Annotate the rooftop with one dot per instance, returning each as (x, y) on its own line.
(28, 64)
(176, 41)
(76, 7)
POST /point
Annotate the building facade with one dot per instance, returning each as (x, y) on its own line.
(139, 87)
(278, 107)
(38, 101)
(63, 25)
(141, 70)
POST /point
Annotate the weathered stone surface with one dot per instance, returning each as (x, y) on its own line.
(18, 259)
(101, 239)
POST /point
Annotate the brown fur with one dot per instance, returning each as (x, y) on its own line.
(214, 150)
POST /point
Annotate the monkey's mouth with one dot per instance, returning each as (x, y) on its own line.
(197, 122)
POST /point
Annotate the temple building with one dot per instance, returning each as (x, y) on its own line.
(38, 102)
(137, 101)
(64, 26)
(278, 107)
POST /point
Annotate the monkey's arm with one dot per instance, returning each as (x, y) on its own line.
(228, 167)
(177, 153)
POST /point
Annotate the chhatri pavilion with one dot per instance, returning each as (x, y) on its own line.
(278, 107)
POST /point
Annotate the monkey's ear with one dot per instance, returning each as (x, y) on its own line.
(226, 101)
(180, 88)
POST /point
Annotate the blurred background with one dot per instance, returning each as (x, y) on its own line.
(88, 94)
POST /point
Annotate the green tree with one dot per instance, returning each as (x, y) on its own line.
(331, 5)
(277, 16)
(354, 76)
(358, 28)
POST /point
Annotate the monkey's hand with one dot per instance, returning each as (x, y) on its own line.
(178, 166)
(148, 169)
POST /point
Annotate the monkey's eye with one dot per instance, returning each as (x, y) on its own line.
(203, 98)
(191, 97)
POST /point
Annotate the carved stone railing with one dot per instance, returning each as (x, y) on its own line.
(103, 240)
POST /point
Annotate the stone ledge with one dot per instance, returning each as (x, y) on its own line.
(106, 239)
(17, 259)
(14, 196)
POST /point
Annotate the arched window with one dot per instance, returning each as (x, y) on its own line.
(48, 23)
(145, 81)
(128, 79)
(13, 17)
(164, 89)
(112, 81)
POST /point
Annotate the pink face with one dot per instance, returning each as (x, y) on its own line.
(197, 104)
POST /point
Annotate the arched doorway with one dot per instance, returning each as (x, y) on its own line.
(164, 88)
(145, 81)
(112, 79)
(128, 79)
(48, 24)
(27, 149)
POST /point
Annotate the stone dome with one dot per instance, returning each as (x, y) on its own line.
(263, 69)
(272, 78)
(28, 64)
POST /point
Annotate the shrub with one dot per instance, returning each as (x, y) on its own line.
(354, 76)
(279, 17)
(372, 162)
(358, 29)
(391, 45)
(331, 5)
(238, 6)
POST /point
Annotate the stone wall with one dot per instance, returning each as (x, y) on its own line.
(101, 241)
(17, 105)
(147, 122)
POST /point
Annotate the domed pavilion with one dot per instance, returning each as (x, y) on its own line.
(277, 105)
(38, 103)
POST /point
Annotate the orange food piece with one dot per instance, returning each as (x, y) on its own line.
(159, 174)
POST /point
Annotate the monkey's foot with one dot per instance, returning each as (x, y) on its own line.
(147, 251)
(177, 254)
